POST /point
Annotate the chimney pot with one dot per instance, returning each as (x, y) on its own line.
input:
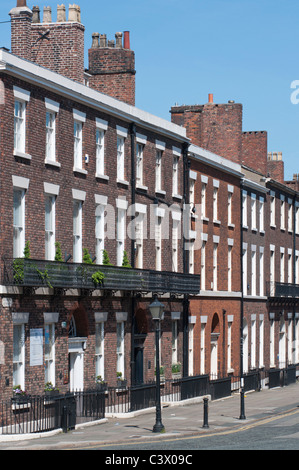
(21, 3)
(210, 98)
(118, 40)
(36, 14)
(47, 18)
(95, 40)
(75, 13)
(61, 14)
(111, 43)
(127, 40)
(103, 40)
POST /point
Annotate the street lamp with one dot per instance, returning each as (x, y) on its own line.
(156, 309)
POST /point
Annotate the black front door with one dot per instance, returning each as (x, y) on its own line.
(138, 365)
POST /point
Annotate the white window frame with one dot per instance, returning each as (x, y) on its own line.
(120, 347)
(158, 242)
(120, 235)
(175, 176)
(282, 265)
(204, 182)
(158, 170)
(229, 346)
(50, 136)
(262, 275)
(272, 209)
(77, 230)
(229, 267)
(139, 164)
(100, 152)
(100, 349)
(215, 266)
(272, 269)
(245, 267)
(261, 341)
(122, 134)
(50, 353)
(18, 222)
(22, 97)
(50, 217)
(253, 342)
(19, 355)
(282, 212)
(203, 265)
(262, 213)
(100, 232)
(78, 145)
(191, 348)
(139, 237)
(272, 341)
(290, 215)
(253, 270)
(202, 345)
(174, 342)
(253, 212)
(215, 200)
(101, 127)
(290, 266)
(244, 208)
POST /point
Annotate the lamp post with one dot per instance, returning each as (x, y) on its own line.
(156, 309)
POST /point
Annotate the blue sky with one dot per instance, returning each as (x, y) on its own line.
(242, 50)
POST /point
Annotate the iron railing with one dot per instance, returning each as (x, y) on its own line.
(38, 414)
(281, 289)
(41, 273)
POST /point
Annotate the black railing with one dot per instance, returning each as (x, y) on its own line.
(40, 273)
(280, 289)
(38, 414)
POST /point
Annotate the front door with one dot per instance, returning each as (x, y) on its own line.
(76, 371)
(138, 365)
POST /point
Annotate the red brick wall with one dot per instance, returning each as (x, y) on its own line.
(254, 151)
(113, 73)
(215, 127)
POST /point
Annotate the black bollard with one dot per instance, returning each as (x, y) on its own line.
(205, 412)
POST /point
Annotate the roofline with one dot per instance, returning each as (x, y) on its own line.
(216, 161)
(45, 78)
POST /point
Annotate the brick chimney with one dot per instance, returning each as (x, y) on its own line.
(21, 18)
(112, 66)
(214, 127)
(58, 46)
(275, 166)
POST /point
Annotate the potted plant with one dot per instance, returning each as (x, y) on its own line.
(19, 395)
(176, 369)
(50, 390)
(121, 382)
(101, 385)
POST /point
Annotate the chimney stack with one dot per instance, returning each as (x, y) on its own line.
(112, 67)
(21, 19)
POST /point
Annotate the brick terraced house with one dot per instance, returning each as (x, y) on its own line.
(105, 207)
(263, 276)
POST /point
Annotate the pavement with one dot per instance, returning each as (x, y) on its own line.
(180, 420)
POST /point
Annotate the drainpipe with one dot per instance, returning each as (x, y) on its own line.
(133, 299)
(242, 403)
(186, 302)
